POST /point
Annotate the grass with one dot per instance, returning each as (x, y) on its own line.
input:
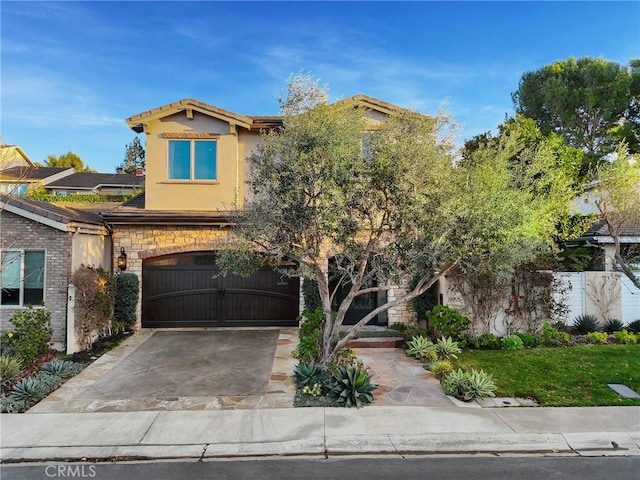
(561, 377)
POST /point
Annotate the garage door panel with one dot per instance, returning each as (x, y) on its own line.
(196, 295)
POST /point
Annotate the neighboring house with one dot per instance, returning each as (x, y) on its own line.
(604, 291)
(98, 183)
(196, 167)
(41, 245)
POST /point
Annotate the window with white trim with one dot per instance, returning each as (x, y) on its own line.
(192, 160)
(22, 277)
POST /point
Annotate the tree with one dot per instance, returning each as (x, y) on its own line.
(591, 102)
(134, 157)
(388, 205)
(70, 160)
(618, 201)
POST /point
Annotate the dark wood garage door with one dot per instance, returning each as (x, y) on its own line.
(185, 290)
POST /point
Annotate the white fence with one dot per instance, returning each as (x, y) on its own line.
(607, 295)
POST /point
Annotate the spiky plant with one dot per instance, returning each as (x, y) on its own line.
(308, 373)
(447, 348)
(62, 368)
(352, 387)
(9, 368)
(480, 385)
(420, 347)
(584, 324)
(613, 325)
(456, 383)
(29, 390)
(634, 326)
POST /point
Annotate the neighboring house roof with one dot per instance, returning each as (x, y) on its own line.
(187, 105)
(65, 219)
(133, 212)
(35, 173)
(91, 180)
(371, 102)
(599, 232)
(13, 155)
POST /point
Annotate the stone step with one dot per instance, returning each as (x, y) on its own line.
(376, 342)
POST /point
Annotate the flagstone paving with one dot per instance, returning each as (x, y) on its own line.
(401, 380)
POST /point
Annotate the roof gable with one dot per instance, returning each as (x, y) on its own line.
(61, 218)
(187, 105)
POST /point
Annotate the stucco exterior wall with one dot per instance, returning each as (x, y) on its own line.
(22, 233)
(91, 250)
(206, 195)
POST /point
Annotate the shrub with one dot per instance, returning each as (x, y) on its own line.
(311, 330)
(597, 337)
(29, 390)
(447, 348)
(447, 321)
(33, 333)
(528, 340)
(411, 331)
(626, 337)
(7, 340)
(512, 342)
(9, 368)
(420, 347)
(552, 336)
(308, 373)
(352, 387)
(441, 368)
(489, 341)
(634, 326)
(468, 341)
(311, 294)
(584, 324)
(126, 298)
(62, 368)
(613, 325)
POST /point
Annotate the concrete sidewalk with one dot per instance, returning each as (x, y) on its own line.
(319, 431)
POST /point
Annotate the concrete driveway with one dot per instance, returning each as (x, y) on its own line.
(193, 369)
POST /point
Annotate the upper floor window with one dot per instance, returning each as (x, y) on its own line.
(22, 277)
(192, 160)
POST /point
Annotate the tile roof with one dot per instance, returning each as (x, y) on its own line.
(31, 173)
(92, 180)
(53, 212)
(600, 229)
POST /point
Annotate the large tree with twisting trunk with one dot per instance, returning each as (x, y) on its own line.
(388, 201)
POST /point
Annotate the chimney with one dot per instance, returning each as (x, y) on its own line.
(139, 172)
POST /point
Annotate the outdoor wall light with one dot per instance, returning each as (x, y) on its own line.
(122, 260)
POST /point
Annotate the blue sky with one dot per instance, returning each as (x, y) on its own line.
(73, 71)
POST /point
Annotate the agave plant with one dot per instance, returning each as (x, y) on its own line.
(51, 382)
(420, 347)
(62, 368)
(11, 405)
(456, 383)
(352, 387)
(29, 390)
(480, 385)
(308, 373)
(447, 348)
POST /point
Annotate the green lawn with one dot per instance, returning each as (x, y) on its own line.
(563, 377)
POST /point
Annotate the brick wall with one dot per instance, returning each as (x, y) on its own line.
(21, 233)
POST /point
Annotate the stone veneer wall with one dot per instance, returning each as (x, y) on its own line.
(403, 313)
(21, 233)
(146, 241)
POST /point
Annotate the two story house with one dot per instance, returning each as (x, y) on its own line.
(196, 170)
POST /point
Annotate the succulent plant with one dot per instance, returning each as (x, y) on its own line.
(352, 387)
